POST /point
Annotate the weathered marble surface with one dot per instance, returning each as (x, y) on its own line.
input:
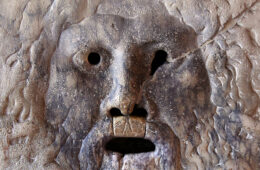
(202, 104)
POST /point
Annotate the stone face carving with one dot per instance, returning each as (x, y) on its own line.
(82, 93)
(129, 84)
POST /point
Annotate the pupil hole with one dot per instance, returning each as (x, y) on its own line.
(93, 58)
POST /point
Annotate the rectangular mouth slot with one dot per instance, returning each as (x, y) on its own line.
(130, 145)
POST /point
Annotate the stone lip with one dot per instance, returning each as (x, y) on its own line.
(129, 126)
(93, 154)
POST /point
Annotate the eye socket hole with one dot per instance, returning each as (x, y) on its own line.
(93, 58)
(159, 59)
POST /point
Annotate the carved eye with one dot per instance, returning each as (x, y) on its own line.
(84, 61)
(159, 59)
(93, 58)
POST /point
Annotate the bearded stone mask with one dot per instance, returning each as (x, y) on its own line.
(141, 84)
(124, 90)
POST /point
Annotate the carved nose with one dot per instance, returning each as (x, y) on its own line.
(126, 85)
(124, 94)
(127, 102)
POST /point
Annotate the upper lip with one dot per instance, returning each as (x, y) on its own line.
(156, 132)
(129, 126)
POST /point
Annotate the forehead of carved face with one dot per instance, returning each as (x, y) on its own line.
(109, 70)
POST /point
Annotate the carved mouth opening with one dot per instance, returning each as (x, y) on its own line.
(132, 145)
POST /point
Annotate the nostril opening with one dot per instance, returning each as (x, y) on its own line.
(139, 112)
(114, 112)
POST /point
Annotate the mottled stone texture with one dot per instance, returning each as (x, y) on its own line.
(173, 83)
